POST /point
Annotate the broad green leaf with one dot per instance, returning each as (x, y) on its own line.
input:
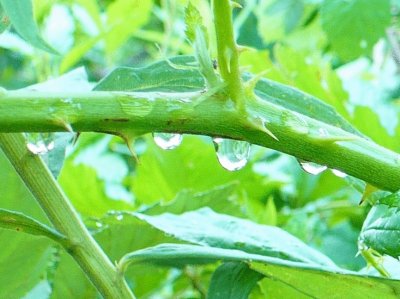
(178, 75)
(392, 200)
(24, 261)
(88, 193)
(21, 16)
(4, 20)
(220, 199)
(223, 231)
(21, 223)
(302, 278)
(381, 230)
(124, 17)
(168, 170)
(353, 27)
(233, 281)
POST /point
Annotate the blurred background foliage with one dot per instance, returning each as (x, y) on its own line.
(346, 53)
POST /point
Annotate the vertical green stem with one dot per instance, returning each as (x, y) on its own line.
(228, 57)
(65, 219)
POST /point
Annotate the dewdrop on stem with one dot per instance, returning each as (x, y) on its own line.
(232, 154)
(167, 141)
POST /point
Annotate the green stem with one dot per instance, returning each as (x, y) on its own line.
(129, 114)
(65, 219)
(228, 57)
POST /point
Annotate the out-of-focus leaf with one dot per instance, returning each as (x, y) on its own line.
(298, 283)
(21, 16)
(178, 75)
(353, 27)
(233, 281)
(193, 20)
(220, 199)
(21, 223)
(87, 193)
(207, 228)
(4, 20)
(168, 170)
(23, 258)
(124, 17)
(381, 229)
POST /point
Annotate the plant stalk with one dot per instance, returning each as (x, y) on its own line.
(80, 244)
(130, 114)
(228, 56)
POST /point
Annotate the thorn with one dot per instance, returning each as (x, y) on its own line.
(242, 49)
(369, 189)
(129, 142)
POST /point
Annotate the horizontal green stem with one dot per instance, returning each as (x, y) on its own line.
(138, 113)
(79, 243)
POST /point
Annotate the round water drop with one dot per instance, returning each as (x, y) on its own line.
(39, 143)
(167, 141)
(311, 167)
(99, 224)
(339, 173)
(232, 154)
(119, 217)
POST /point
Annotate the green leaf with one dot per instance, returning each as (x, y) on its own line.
(353, 27)
(233, 281)
(220, 199)
(21, 223)
(392, 200)
(193, 20)
(223, 231)
(168, 170)
(21, 16)
(4, 20)
(381, 229)
(180, 76)
(293, 275)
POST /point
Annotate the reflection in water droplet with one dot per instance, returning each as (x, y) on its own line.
(339, 173)
(232, 154)
(167, 141)
(311, 167)
(39, 143)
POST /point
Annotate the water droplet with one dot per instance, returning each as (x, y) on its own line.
(119, 217)
(339, 173)
(39, 143)
(232, 154)
(167, 141)
(311, 167)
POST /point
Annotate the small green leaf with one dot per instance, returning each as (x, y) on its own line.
(193, 20)
(381, 230)
(232, 281)
(392, 200)
(19, 222)
(21, 16)
(180, 76)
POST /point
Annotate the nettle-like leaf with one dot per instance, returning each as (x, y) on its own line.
(381, 229)
(20, 14)
(353, 27)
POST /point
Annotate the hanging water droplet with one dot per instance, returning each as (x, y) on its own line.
(311, 167)
(167, 141)
(339, 173)
(39, 143)
(232, 154)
